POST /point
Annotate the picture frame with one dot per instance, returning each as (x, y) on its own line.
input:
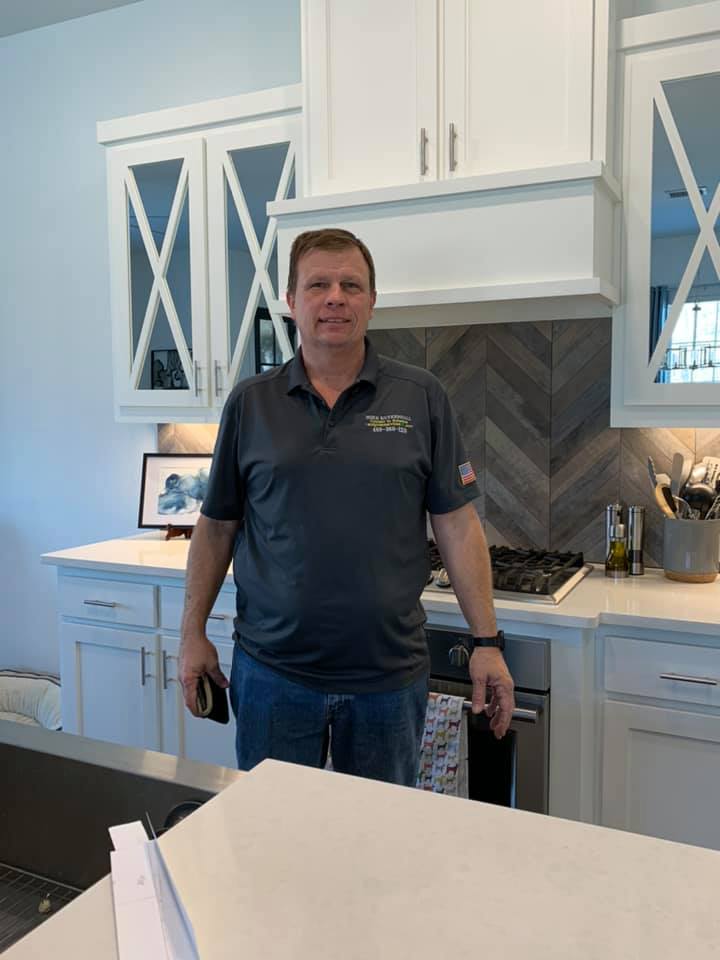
(172, 488)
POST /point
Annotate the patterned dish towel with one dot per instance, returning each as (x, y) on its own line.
(444, 754)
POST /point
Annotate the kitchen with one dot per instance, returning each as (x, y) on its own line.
(548, 377)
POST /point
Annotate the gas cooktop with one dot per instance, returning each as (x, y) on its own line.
(540, 576)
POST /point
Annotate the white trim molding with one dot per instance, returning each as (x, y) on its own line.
(670, 26)
(274, 102)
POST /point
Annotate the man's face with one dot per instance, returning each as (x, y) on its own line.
(332, 303)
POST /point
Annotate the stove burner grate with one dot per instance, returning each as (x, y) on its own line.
(538, 572)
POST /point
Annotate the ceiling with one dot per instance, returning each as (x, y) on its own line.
(16, 16)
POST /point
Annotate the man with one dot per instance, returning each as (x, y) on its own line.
(322, 475)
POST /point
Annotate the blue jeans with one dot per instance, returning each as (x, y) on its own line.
(374, 735)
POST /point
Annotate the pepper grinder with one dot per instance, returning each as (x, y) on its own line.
(636, 530)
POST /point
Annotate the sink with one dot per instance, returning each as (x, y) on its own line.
(61, 793)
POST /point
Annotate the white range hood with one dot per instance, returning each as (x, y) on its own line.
(532, 244)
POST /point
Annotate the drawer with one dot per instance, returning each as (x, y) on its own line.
(664, 671)
(220, 621)
(111, 601)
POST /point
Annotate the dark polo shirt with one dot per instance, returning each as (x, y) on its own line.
(331, 555)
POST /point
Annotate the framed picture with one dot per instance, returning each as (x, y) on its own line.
(172, 489)
(167, 371)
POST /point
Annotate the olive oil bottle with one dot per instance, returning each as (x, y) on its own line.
(617, 563)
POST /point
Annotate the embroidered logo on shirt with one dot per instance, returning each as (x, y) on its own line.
(389, 423)
(467, 474)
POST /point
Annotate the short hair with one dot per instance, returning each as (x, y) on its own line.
(327, 239)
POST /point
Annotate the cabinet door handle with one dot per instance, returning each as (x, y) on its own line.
(165, 679)
(197, 379)
(705, 681)
(142, 666)
(216, 616)
(218, 388)
(423, 151)
(99, 603)
(452, 136)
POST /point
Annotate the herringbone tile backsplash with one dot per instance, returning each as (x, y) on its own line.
(533, 403)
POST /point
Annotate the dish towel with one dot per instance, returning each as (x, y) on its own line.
(444, 752)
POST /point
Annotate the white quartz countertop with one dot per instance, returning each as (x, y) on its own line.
(649, 601)
(291, 863)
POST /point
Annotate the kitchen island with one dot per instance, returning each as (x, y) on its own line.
(310, 864)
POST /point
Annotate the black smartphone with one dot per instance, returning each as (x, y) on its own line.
(212, 700)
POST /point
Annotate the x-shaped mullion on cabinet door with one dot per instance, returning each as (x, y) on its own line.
(706, 239)
(159, 264)
(261, 260)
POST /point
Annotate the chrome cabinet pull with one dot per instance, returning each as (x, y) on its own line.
(705, 681)
(218, 388)
(142, 666)
(164, 670)
(197, 379)
(423, 151)
(452, 138)
(216, 616)
(99, 603)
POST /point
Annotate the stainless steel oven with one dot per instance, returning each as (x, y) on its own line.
(514, 771)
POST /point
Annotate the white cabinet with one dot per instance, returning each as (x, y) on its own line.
(516, 84)
(193, 257)
(109, 684)
(661, 771)
(186, 735)
(661, 739)
(119, 651)
(666, 334)
(418, 90)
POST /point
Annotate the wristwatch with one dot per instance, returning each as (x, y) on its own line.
(498, 641)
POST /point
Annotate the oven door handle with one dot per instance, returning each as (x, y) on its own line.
(529, 716)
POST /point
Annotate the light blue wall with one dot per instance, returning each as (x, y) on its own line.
(70, 474)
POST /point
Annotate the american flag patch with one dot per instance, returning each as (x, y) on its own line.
(467, 474)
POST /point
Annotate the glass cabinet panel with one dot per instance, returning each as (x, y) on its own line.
(159, 282)
(246, 170)
(684, 341)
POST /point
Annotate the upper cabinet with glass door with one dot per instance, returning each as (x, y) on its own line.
(666, 336)
(194, 274)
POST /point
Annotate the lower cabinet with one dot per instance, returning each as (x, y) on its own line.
(184, 734)
(661, 760)
(661, 772)
(109, 684)
(119, 654)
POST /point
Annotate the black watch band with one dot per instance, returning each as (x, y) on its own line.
(498, 641)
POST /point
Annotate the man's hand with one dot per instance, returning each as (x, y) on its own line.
(198, 656)
(488, 669)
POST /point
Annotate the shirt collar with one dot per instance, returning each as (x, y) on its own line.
(369, 372)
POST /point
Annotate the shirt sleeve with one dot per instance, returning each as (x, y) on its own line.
(226, 495)
(452, 482)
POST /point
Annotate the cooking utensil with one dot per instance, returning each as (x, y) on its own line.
(656, 478)
(687, 469)
(700, 497)
(665, 500)
(714, 511)
(684, 510)
(712, 476)
(698, 473)
(676, 473)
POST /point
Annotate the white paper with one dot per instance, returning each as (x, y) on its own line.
(150, 918)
